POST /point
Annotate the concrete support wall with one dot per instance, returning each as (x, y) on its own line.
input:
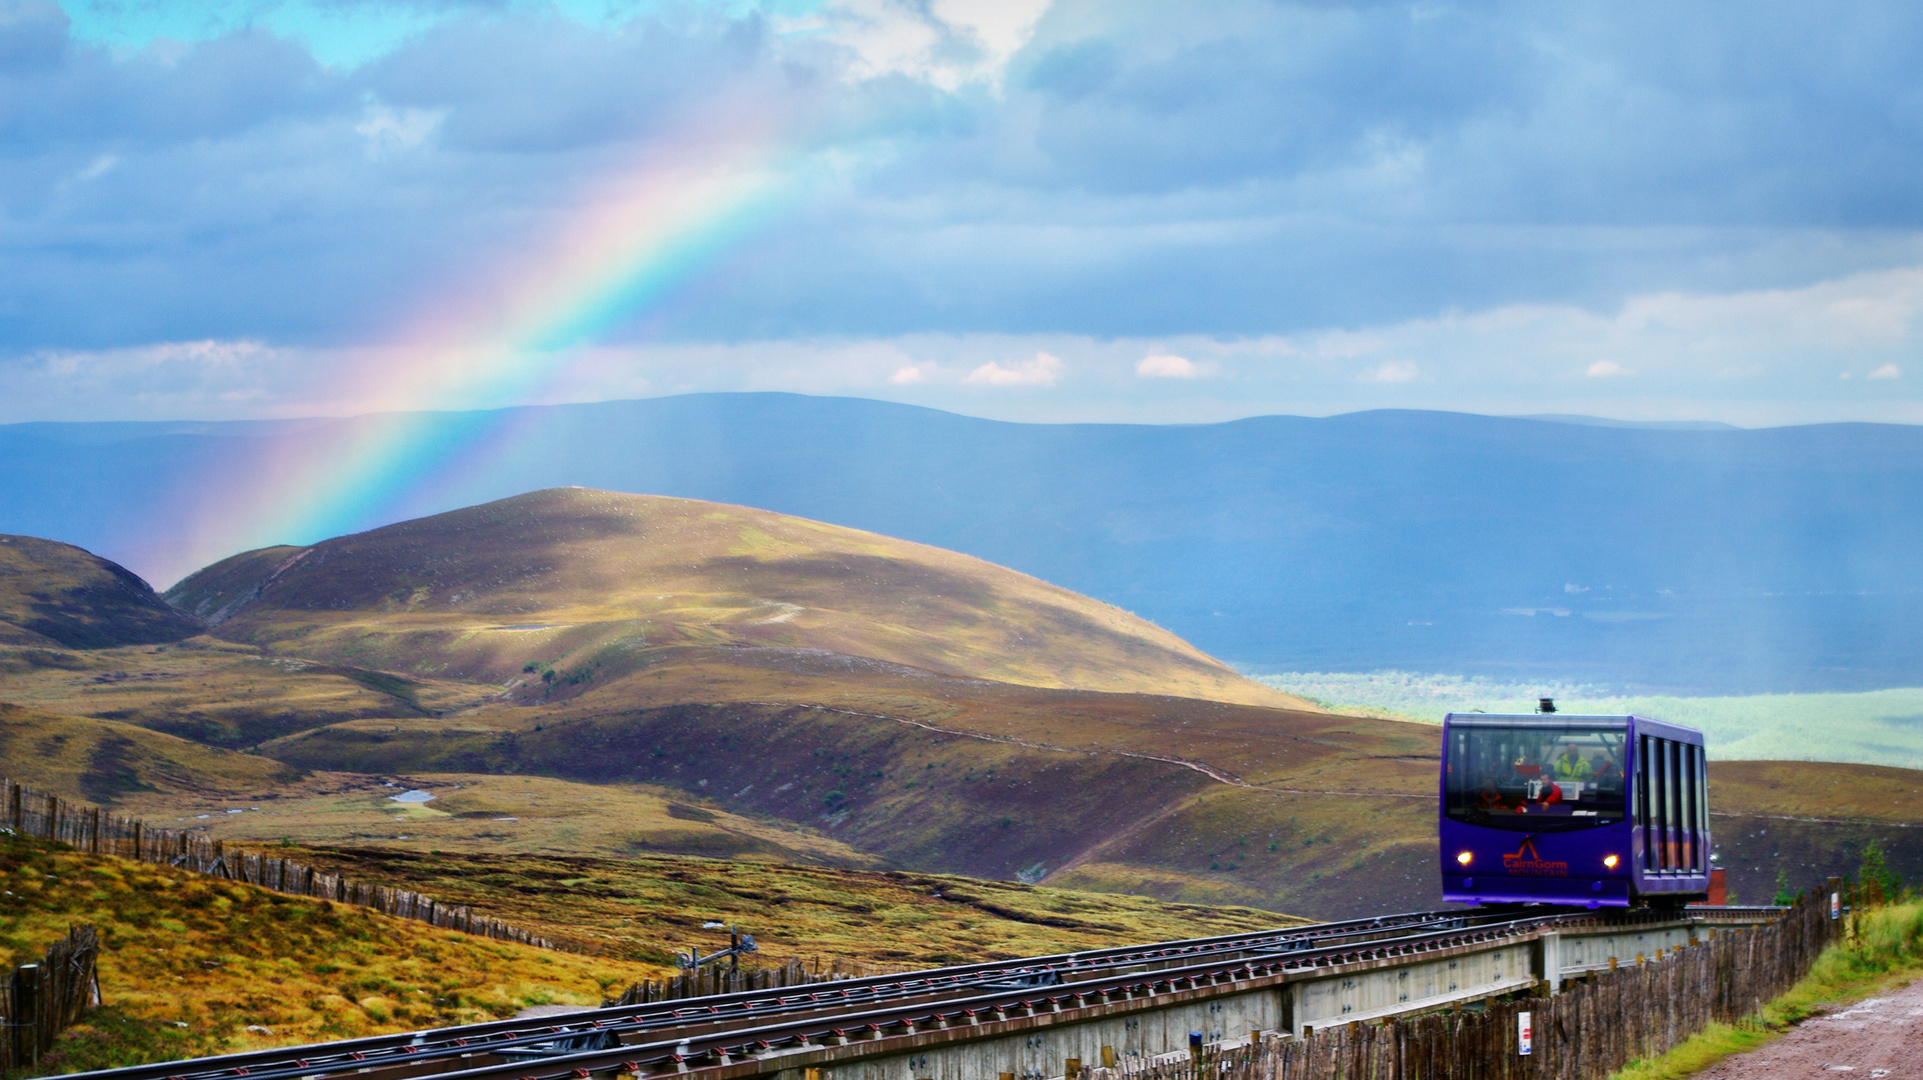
(1041, 1051)
(1370, 995)
(1567, 956)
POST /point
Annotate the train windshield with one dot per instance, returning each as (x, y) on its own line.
(1536, 777)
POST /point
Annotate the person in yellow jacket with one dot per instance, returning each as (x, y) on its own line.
(1571, 765)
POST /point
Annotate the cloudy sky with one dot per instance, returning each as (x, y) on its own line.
(1024, 209)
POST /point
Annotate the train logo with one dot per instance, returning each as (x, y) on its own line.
(1526, 862)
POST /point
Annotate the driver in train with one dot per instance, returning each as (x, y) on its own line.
(1540, 790)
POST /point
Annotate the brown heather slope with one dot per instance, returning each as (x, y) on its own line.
(1188, 800)
(54, 594)
(1811, 820)
(649, 907)
(174, 783)
(105, 761)
(220, 693)
(592, 580)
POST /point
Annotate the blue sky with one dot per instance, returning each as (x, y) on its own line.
(1034, 210)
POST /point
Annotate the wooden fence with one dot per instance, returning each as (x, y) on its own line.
(38, 1001)
(50, 818)
(1584, 1033)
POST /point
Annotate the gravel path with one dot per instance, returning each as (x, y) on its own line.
(1873, 1039)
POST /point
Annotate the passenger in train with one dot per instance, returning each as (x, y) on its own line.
(1608, 773)
(1490, 798)
(1571, 765)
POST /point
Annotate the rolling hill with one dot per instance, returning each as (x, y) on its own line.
(54, 594)
(509, 588)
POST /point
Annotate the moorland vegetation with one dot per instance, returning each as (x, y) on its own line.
(578, 673)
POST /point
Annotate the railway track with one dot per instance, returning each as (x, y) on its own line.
(673, 1036)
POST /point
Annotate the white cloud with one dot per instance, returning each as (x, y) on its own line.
(1393, 371)
(1754, 359)
(99, 167)
(947, 43)
(1166, 366)
(393, 130)
(1044, 370)
(1604, 369)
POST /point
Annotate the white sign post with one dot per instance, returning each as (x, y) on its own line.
(1836, 905)
(1525, 1034)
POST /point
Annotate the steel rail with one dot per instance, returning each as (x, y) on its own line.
(416, 1046)
(725, 1047)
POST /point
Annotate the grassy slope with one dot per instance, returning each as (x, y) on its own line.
(1812, 819)
(173, 783)
(105, 761)
(217, 956)
(971, 777)
(648, 907)
(220, 693)
(54, 594)
(496, 815)
(587, 581)
(1329, 816)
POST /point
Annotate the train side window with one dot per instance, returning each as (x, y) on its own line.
(1686, 774)
(1672, 820)
(1702, 809)
(1653, 776)
(1645, 802)
(1659, 799)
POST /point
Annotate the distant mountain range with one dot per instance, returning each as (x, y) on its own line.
(1695, 560)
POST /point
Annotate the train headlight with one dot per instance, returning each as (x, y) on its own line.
(1609, 861)
(1464, 858)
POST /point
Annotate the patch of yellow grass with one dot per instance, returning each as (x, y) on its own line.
(218, 956)
(646, 908)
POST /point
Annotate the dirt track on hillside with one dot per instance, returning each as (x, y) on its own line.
(1877, 1039)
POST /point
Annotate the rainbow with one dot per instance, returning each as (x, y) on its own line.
(623, 248)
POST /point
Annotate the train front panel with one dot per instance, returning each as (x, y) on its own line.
(1601, 811)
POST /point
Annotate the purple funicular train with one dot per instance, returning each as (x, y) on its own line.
(1601, 811)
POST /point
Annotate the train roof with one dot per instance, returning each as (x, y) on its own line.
(1644, 724)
